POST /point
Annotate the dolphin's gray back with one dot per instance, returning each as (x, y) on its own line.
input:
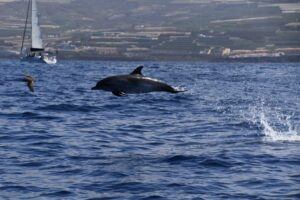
(138, 84)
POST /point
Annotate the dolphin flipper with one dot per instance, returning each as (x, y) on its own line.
(118, 93)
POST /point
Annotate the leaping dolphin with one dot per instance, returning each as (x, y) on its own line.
(135, 82)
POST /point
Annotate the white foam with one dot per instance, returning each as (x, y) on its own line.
(275, 126)
(271, 134)
(178, 88)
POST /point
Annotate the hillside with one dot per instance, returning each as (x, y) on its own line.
(143, 29)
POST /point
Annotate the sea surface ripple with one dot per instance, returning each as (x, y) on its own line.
(235, 134)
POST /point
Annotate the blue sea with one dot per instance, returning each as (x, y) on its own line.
(234, 134)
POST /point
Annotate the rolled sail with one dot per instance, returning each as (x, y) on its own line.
(36, 37)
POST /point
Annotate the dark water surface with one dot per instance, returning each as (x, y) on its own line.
(235, 134)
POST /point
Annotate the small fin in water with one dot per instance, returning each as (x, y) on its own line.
(119, 94)
(138, 71)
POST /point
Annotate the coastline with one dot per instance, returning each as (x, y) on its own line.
(282, 59)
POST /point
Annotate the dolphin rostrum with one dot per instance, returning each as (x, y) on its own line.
(135, 82)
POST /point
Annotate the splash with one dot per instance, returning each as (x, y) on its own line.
(180, 89)
(274, 133)
(274, 125)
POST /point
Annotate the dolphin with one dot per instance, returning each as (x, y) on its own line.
(135, 82)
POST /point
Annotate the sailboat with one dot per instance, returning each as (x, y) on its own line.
(37, 52)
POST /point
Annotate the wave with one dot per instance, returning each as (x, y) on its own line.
(62, 193)
(27, 115)
(68, 108)
(179, 158)
(199, 161)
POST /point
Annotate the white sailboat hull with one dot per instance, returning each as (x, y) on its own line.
(51, 60)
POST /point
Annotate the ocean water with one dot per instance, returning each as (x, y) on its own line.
(235, 134)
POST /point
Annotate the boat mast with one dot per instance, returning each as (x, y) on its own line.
(24, 32)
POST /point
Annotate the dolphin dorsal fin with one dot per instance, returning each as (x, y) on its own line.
(138, 71)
